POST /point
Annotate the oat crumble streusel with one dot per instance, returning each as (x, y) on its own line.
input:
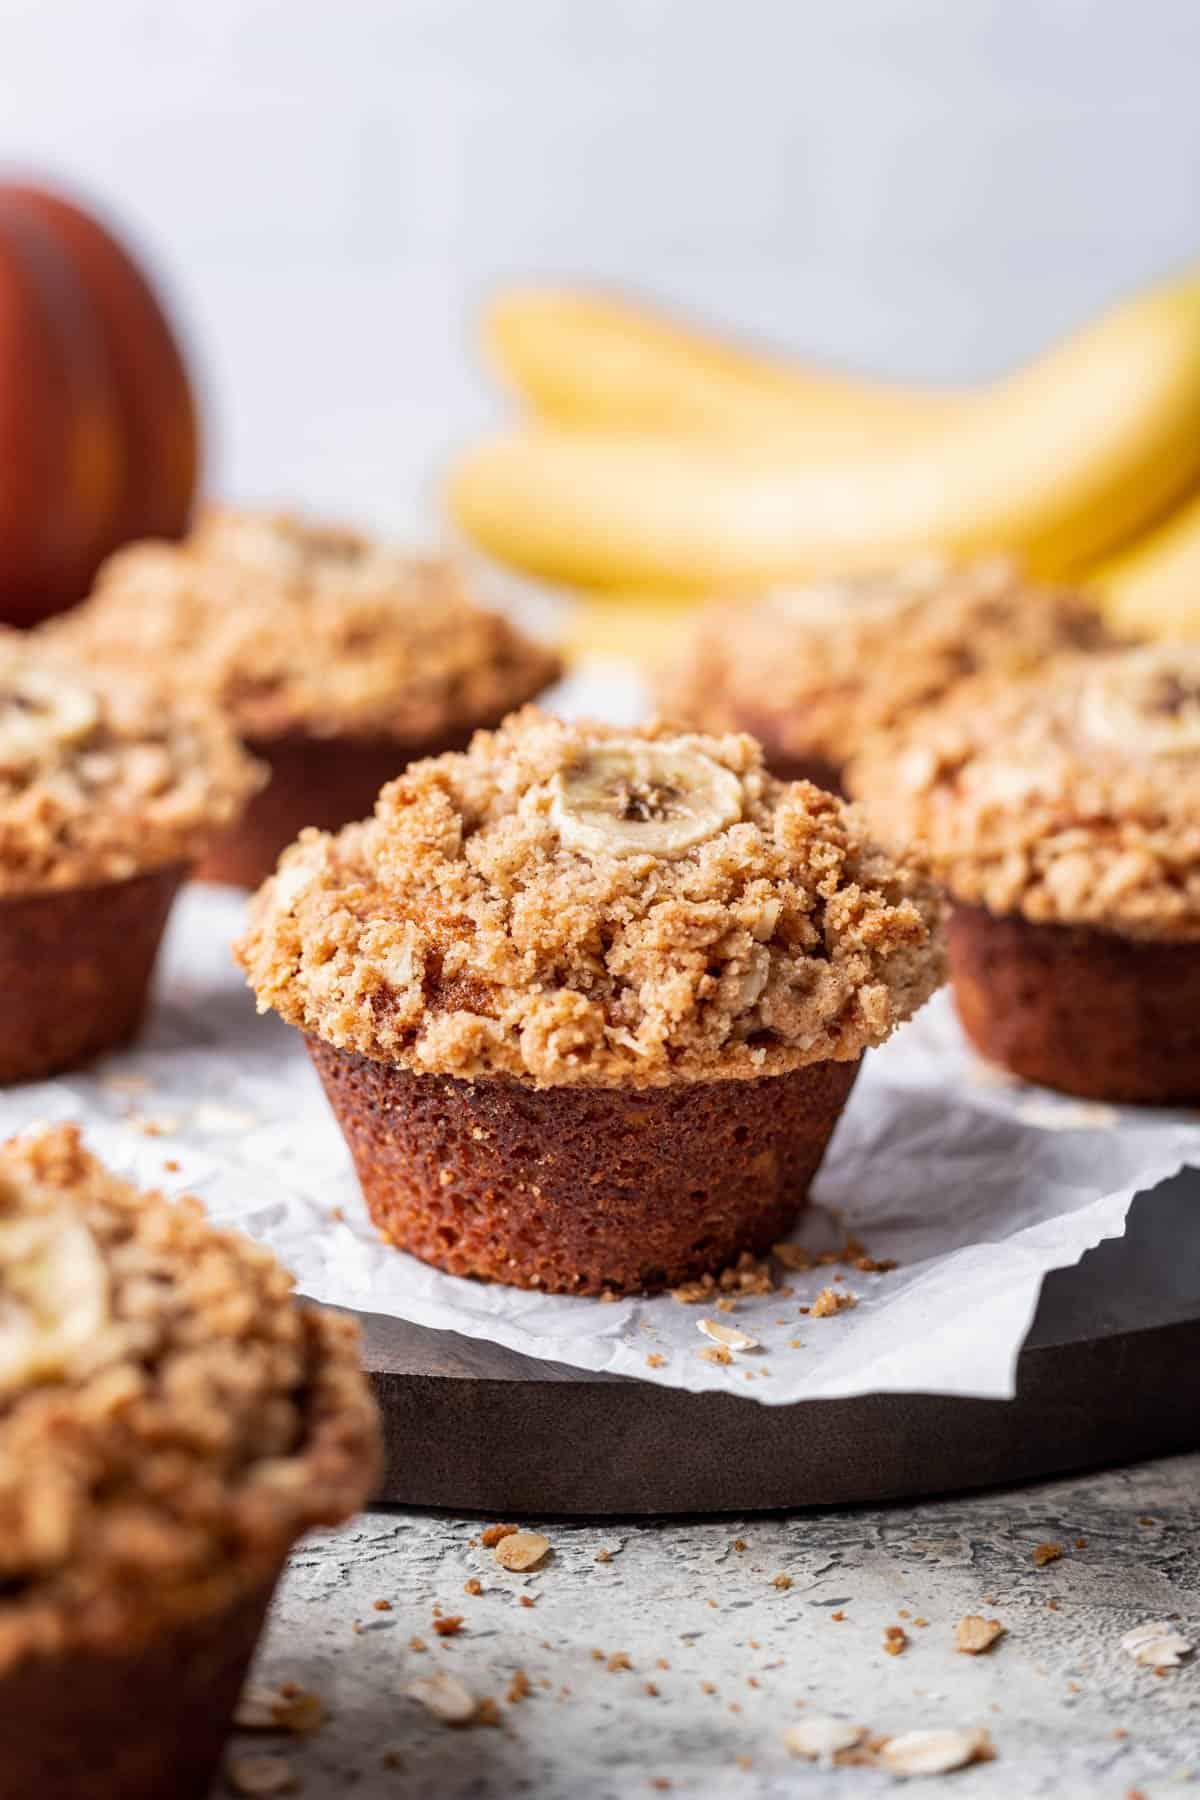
(170, 1419)
(1071, 797)
(457, 933)
(103, 777)
(291, 627)
(824, 667)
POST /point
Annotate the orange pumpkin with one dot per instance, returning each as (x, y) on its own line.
(99, 437)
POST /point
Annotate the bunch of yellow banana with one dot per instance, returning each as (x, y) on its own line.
(660, 460)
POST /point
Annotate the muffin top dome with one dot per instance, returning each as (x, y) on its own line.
(104, 776)
(292, 627)
(816, 670)
(1072, 797)
(577, 904)
(170, 1419)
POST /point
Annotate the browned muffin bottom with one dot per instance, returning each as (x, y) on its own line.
(1085, 1011)
(171, 1421)
(813, 672)
(75, 968)
(582, 1190)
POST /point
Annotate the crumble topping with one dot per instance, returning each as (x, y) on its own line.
(817, 670)
(463, 931)
(104, 777)
(1071, 797)
(174, 1451)
(294, 627)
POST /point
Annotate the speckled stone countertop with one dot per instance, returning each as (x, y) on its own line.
(671, 1657)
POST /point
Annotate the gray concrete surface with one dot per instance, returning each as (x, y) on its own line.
(734, 1658)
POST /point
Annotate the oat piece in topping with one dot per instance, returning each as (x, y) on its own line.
(494, 918)
(818, 670)
(289, 627)
(170, 1419)
(1070, 798)
(105, 776)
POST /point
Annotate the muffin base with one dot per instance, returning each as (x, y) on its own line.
(75, 967)
(1085, 1011)
(321, 781)
(133, 1724)
(576, 1189)
(789, 764)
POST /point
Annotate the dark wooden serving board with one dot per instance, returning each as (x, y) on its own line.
(1110, 1372)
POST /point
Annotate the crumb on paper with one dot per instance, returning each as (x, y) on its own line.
(728, 1335)
(448, 1625)
(715, 1353)
(382, 1606)
(618, 1660)
(655, 1361)
(829, 1301)
(837, 1616)
(974, 1634)
(1046, 1553)
(473, 1585)
(518, 1688)
(781, 1581)
(895, 1640)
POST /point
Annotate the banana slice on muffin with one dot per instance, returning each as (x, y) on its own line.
(636, 797)
(1148, 704)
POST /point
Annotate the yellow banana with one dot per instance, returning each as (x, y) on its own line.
(1063, 460)
(1154, 585)
(593, 361)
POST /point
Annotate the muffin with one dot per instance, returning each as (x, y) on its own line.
(337, 661)
(1062, 814)
(171, 1422)
(109, 792)
(814, 672)
(588, 1003)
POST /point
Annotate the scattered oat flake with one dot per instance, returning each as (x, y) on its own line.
(1046, 1553)
(521, 1550)
(716, 1353)
(895, 1639)
(830, 1301)
(974, 1634)
(934, 1752)
(445, 1697)
(1156, 1644)
(449, 1625)
(603, 1556)
(261, 1775)
(821, 1739)
(492, 1534)
(729, 1335)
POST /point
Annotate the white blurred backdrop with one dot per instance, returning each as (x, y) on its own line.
(926, 187)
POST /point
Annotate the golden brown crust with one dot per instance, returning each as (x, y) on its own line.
(103, 777)
(816, 671)
(457, 933)
(293, 627)
(1072, 797)
(167, 1457)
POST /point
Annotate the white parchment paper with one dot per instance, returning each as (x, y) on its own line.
(976, 1187)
